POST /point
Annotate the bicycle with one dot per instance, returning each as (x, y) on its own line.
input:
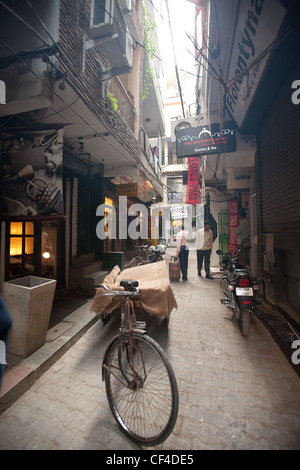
(140, 383)
(141, 257)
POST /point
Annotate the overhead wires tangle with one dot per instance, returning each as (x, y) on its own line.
(174, 53)
(152, 178)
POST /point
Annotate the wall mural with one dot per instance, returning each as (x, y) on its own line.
(31, 173)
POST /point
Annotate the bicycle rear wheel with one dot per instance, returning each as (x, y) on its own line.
(146, 408)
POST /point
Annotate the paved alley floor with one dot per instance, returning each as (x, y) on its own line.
(234, 392)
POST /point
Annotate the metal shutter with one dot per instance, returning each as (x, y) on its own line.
(280, 163)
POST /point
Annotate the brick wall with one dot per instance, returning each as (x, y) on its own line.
(74, 24)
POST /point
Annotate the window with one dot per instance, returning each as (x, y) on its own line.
(21, 249)
(99, 11)
(32, 249)
(102, 12)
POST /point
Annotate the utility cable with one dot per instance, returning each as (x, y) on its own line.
(23, 21)
(140, 165)
(176, 67)
(153, 178)
(68, 106)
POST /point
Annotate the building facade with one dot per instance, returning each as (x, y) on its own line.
(75, 131)
(251, 56)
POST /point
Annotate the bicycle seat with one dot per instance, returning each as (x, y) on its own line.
(129, 284)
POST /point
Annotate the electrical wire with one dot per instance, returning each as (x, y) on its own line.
(23, 21)
(46, 29)
(75, 74)
(152, 178)
(174, 53)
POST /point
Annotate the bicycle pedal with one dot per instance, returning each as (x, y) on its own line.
(141, 325)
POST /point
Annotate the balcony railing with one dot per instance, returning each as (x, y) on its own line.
(124, 101)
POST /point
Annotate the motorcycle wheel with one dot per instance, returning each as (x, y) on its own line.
(243, 317)
(244, 322)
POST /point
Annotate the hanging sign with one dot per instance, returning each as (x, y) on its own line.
(129, 189)
(192, 192)
(206, 140)
(31, 173)
(233, 224)
(179, 212)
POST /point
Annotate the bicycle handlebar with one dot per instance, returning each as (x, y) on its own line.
(117, 292)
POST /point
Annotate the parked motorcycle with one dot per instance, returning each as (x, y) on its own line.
(155, 253)
(240, 288)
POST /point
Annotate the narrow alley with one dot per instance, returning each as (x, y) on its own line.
(234, 392)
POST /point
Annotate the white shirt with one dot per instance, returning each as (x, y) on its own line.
(182, 239)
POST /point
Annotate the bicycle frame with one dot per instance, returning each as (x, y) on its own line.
(128, 326)
(140, 383)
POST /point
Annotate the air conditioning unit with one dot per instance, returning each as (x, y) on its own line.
(108, 28)
(118, 50)
(125, 6)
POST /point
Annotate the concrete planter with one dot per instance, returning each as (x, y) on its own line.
(29, 301)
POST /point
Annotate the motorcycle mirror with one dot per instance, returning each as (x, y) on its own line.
(219, 252)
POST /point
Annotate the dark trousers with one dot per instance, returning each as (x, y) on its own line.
(206, 255)
(183, 259)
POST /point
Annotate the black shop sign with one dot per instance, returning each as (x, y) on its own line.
(206, 140)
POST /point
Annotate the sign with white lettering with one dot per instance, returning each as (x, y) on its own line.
(206, 140)
(179, 212)
(257, 27)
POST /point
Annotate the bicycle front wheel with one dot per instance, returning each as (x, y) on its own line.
(141, 389)
(134, 262)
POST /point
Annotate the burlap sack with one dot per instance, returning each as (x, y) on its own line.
(156, 294)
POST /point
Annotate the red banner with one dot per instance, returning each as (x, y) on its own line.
(233, 223)
(192, 193)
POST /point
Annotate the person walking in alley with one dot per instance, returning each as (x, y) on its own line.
(243, 233)
(204, 245)
(182, 251)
